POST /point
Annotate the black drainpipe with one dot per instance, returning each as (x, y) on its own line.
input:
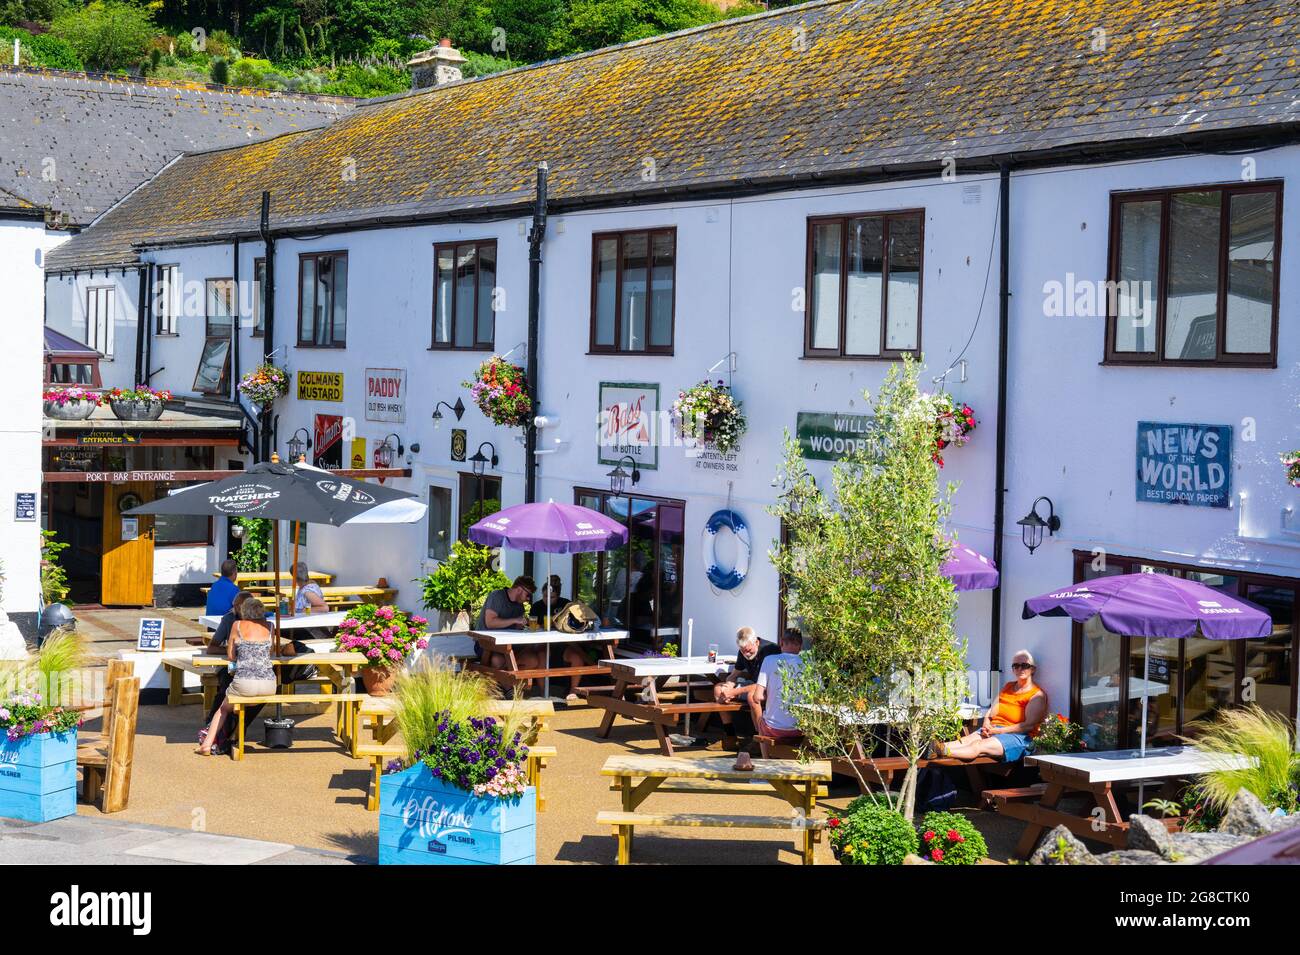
(141, 322)
(535, 237)
(999, 484)
(268, 331)
(234, 326)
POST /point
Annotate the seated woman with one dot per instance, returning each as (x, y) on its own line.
(1010, 724)
(249, 648)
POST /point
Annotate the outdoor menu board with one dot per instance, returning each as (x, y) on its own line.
(150, 635)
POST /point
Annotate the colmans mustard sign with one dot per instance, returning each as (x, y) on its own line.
(320, 386)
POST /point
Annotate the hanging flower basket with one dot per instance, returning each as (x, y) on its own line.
(710, 414)
(264, 384)
(953, 423)
(70, 404)
(140, 403)
(1292, 461)
(500, 390)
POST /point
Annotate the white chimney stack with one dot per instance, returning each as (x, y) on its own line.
(436, 67)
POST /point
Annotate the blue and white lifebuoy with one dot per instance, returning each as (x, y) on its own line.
(720, 578)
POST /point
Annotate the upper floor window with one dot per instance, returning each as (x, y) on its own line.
(465, 274)
(1193, 276)
(323, 299)
(166, 302)
(259, 297)
(99, 319)
(219, 307)
(634, 278)
(864, 286)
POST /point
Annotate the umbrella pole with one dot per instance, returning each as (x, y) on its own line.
(546, 681)
(275, 570)
(1146, 670)
(293, 590)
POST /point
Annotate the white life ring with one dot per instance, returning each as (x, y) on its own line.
(718, 577)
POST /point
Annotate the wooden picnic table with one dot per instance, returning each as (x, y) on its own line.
(505, 642)
(796, 782)
(382, 712)
(1097, 774)
(261, 580)
(303, 621)
(347, 594)
(645, 677)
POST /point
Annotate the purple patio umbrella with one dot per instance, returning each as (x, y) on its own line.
(1155, 605)
(969, 569)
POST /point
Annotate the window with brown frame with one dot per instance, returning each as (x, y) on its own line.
(633, 291)
(464, 277)
(1194, 277)
(259, 298)
(323, 300)
(864, 285)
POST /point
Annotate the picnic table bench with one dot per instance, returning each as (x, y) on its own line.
(1097, 774)
(505, 642)
(631, 673)
(797, 783)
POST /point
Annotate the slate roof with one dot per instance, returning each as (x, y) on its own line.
(811, 93)
(75, 143)
(16, 204)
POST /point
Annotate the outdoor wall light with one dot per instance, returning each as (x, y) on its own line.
(618, 477)
(298, 446)
(480, 462)
(1032, 524)
(458, 409)
(386, 452)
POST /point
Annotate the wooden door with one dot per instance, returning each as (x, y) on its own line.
(127, 565)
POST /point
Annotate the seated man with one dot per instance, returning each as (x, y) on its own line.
(1011, 723)
(504, 610)
(771, 712)
(739, 683)
(221, 595)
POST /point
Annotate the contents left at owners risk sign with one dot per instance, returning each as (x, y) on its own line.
(1184, 463)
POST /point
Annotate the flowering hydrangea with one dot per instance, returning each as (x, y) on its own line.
(25, 714)
(264, 384)
(500, 390)
(1292, 461)
(475, 755)
(384, 634)
(708, 412)
(72, 395)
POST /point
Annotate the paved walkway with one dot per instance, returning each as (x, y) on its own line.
(89, 840)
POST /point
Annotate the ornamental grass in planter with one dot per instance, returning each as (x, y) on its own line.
(461, 796)
(70, 404)
(387, 636)
(140, 403)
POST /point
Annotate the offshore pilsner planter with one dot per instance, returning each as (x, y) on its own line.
(423, 821)
(38, 776)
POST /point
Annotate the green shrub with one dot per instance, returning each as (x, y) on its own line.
(254, 546)
(463, 580)
(40, 50)
(367, 81)
(54, 579)
(220, 72)
(247, 71)
(870, 833)
(483, 64)
(1253, 732)
(949, 838)
(107, 35)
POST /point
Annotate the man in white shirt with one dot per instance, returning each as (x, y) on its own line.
(772, 716)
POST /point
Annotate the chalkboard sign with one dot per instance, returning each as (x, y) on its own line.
(1184, 464)
(150, 636)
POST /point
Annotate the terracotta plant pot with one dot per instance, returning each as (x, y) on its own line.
(379, 681)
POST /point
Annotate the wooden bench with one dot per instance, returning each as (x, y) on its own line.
(176, 668)
(718, 787)
(106, 769)
(882, 769)
(380, 753)
(625, 822)
(345, 725)
(998, 798)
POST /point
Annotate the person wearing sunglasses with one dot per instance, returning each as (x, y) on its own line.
(1011, 724)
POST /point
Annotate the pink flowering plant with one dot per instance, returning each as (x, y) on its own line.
(953, 423)
(25, 714)
(384, 634)
(709, 413)
(264, 384)
(500, 390)
(74, 394)
(1292, 461)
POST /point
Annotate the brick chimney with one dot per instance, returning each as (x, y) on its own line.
(436, 67)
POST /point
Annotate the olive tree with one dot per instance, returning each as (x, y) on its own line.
(862, 571)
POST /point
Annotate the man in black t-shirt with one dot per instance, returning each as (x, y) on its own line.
(739, 683)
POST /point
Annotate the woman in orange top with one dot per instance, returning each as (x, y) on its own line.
(1011, 724)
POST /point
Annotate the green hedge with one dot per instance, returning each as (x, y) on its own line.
(39, 50)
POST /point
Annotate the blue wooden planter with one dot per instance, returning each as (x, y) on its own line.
(423, 821)
(38, 776)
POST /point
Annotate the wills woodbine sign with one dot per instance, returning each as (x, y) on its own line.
(1184, 463)
(827, 436)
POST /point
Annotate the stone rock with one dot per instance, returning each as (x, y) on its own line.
(1246, 816)
(1193, 847)
(1131, 857)
(1150, 835)
(12, 644)
(913, 859)
(1060, 847)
